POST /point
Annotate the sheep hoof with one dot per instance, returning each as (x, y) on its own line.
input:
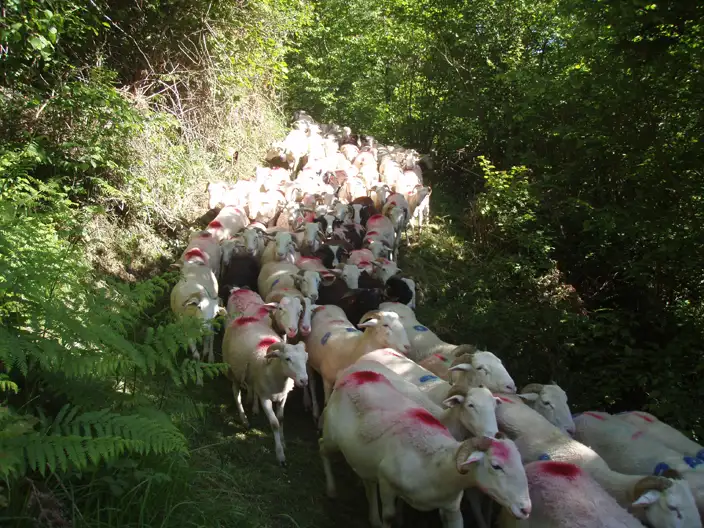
(283, 464)
(332, 493)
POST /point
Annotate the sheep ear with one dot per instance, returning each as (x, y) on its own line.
(457, 399)
(474, 456)
(529, 396)
(464, 367)
(368, 324)
(222, 310)
(649, 497)
(270, 307)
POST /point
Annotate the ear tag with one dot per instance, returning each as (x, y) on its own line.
(660, 469)
(420, 328)
(325, 338)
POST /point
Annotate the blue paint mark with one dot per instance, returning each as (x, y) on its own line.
(420, 328)
(576, 415)
(325, 338)
(660, 469)
(544, 456)
(352, 330)
(275, 282)
(700, 455)
(692, 462)
(427, 377)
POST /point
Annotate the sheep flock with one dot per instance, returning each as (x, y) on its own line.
(302, 261)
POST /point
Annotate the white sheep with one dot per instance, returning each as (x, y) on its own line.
(565, 496)
(281, 247)
(391, 442)
(667, 434)
(465, 411)
(282, 278)
(269, 368)
(226, 194)
(419, 202)
(412, 286)
(229, 221)
(334, 343)
(285, 314)
(204, 245)
(383, 269)
(309, 237)
(538, 439)
(380, 236)
(551, 402)
(630, 450)
(196, 294)
(264, 206)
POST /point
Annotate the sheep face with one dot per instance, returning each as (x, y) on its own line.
(293, 360)
(306, 314)
(498, 471)
(378, 247)
(485, 370)
(388, 331)
(384, 269)
(477, 408)
(253, 241)
(350, 274)
(551, 402)
(287, 314)
(203, 307)
(354, 214)
(312, 235)
(308, 283)
(670, 508)
(285, 246)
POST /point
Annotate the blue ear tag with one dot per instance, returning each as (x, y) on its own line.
(700, 455)
(427, 377)
(692, 462)
(544, 456)
(325, 338)
(660, 469)
(420, 328)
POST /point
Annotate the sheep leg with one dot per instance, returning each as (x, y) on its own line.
(312, 387)
(280, 417)
(370, 489)
(474, 497)
(388, 502)
(238, 402)
(327, 387)
(268, 407)
(451, 518)
(326, 447)
(255, 406)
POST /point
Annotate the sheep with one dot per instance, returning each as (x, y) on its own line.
(350, 151)
(538, 439)
(309, 236)
(398, 215)
(411, 286)
(333, 344)
(229, 221)
(476, 405)
(196, 294)
(237, 270)
(253, 240)
(391, 442)
(627, 449)
(362, 258)
(281, 247)
(379, 194)
(332, 252)
(285, 314)
(361, 209)
(226, 194)
(565, 496)
(551, 402)
(407, 182)
(203, 244)
(383, 269)
(380, 236)
(265, 206)
(281, 278)
(419, 203)
(480, 367)
(668, 435)
(259, 360)
(351, 234)
(354, 187)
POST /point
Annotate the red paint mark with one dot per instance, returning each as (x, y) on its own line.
(439, 356)
(504, 399)
(390, 352)
(645, 417)
(362, 377)
(637, 434)
(215, 224)
(267, 342)
(369, 233)
(241, 321)
(309, 217)
(500, 450)
(205, 235)
(375, 217)
(561, 469)
(195, 252)
(423, 417)
(318, 308)
(365, 263)
(594, 415)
